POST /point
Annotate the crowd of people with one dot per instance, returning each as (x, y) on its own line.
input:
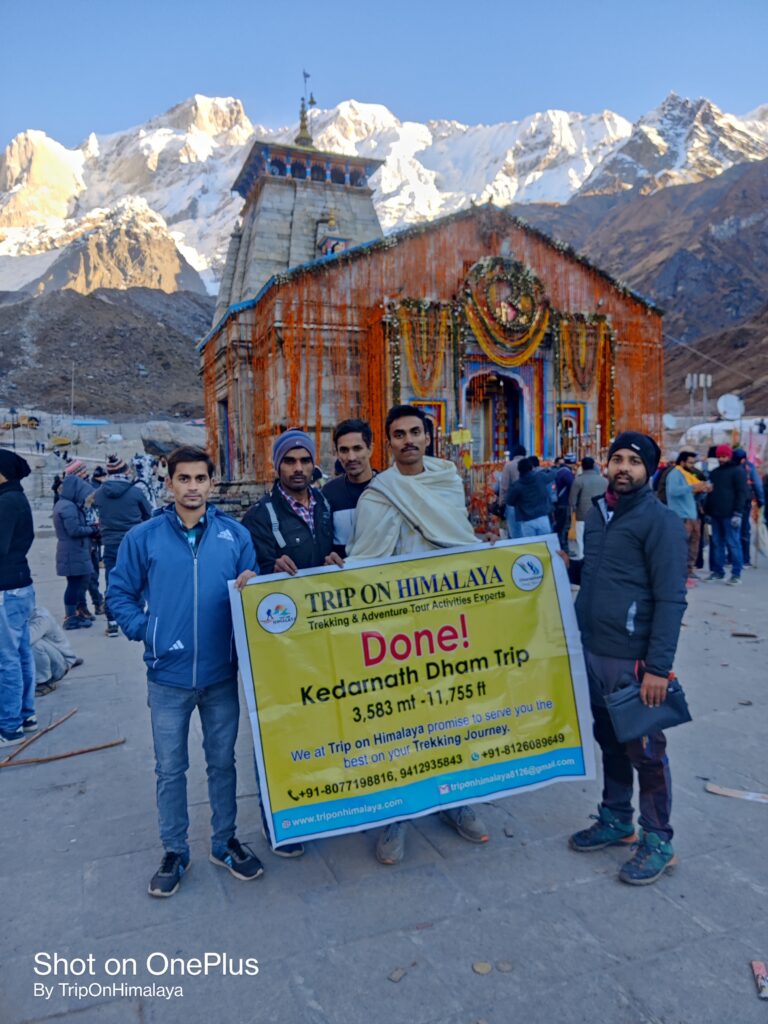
(631, 537)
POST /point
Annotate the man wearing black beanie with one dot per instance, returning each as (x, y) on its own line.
(629, 609)
(17, 602)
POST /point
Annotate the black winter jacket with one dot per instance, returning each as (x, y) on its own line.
(305, 550)
(73, 550)
(121, 505)
(16, 536)
(530, 496)
(632, 596)
(729, 494)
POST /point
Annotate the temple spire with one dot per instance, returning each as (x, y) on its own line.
(303, 138)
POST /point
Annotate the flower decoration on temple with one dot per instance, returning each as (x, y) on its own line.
(586, 351)
(506, 310)
(426, 330)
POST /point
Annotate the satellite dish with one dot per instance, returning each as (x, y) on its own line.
(730, 407)
(669, 421)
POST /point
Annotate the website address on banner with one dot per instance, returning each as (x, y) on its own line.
(524, 771)
(343, 812)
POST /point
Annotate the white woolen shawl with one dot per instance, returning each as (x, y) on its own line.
(399, 515)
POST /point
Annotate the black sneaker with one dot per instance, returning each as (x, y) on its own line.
(112, 629)
(30, 724)
(239, 860)
(6, 738)
(166, 880)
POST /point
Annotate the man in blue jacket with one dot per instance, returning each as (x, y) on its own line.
(169, 589)
(629, 610)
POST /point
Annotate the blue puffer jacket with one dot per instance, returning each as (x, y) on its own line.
(177, 603)
(73, 551)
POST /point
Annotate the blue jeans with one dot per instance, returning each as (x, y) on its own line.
(725, 537)
(17, 666)
(535, 527)
(171, 709)
(513, 527)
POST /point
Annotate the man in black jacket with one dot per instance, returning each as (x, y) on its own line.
(292, 528)
(531, 498)
(725, 505)
(629, 610)
(121, 506)
(17, 602)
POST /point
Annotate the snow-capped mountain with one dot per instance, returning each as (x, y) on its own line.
(679, 142)
(172, 177)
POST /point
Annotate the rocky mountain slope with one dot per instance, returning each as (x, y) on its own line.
(132, 351)
(700, 251)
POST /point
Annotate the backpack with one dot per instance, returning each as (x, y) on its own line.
(661, 484)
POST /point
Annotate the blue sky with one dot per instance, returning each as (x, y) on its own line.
(98, 65)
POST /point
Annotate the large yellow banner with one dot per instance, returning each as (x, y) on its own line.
(396, 688)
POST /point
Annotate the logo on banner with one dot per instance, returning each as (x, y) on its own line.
(276, 613)
(527, 572)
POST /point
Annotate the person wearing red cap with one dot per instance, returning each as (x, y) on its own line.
(725, 505)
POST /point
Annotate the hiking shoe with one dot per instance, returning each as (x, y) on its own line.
(467, 823)
(7, 738)
(734, 581)
(608, 830)
(29, 724)
(239, 860)
(167, 879)
(77, 663)
(75, 622)
(112, 629)
(714, 576)
(99, 609)
(390, 848)
(652, 857)
(83, 613)
(43, 689)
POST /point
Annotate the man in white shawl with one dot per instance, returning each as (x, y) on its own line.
(416, 505)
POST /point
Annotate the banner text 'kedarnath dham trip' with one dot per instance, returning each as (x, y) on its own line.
(414, 684)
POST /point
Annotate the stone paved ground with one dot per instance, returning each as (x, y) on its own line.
(79, 843)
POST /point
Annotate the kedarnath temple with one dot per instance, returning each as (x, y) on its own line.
(502, 335)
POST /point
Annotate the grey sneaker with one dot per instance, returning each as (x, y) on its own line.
(467, 823)
(734, 581)
(390, 848)
(714, 577)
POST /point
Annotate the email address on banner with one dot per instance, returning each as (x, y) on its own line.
(524, 771)
(322, 817)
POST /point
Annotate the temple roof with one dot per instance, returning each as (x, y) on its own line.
(387, 241)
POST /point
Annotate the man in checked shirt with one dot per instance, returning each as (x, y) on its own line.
(292, 529)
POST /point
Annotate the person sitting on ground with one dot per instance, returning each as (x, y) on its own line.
(51, 650)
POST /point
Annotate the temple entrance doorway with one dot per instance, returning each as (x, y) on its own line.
(494, 405)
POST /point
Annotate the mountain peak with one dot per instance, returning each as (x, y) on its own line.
(221, 117)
